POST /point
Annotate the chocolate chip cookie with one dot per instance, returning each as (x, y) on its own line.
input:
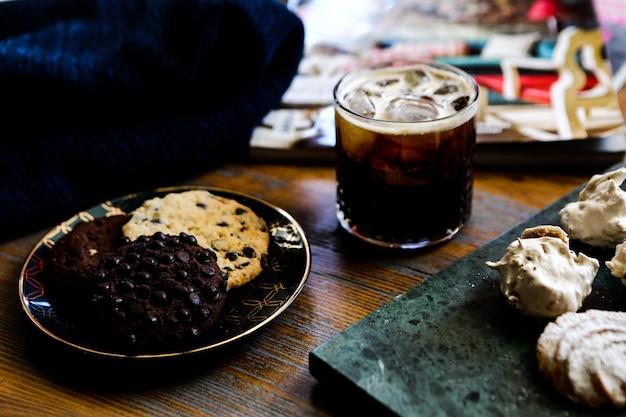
(159, 290)
(239, 237)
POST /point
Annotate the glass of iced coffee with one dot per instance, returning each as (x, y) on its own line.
(405, 152)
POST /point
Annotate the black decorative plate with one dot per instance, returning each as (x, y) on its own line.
(248, 308)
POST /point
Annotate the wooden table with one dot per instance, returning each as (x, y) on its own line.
(267, 373)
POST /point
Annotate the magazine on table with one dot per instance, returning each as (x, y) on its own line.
(548, 73)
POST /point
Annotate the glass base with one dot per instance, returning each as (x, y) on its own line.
(354, 230)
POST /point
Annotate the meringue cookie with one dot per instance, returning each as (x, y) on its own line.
(598, 218)
(617, 264)
(542, 277)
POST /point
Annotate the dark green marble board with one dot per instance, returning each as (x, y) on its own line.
(452, 346)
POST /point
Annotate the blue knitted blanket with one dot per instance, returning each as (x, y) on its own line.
(106, 97)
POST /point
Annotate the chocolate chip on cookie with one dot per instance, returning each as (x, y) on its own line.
(239, 237)
(158, 290)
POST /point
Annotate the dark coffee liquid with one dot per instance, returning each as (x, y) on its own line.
(408, 188)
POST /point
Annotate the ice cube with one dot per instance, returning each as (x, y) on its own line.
(460, 103)
(377, 87)
(410, 109)
(359, 102)
(386, 161)
(404, 160)
(446, 89)
(387, 82)
(416, 77)
(397, 174)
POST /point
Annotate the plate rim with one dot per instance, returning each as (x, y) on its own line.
(114, 202)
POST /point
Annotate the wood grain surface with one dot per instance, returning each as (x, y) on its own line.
(267, 373)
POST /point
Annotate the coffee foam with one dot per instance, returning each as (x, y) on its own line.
(447, 118)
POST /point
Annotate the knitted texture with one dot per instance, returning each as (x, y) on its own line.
(107, 97)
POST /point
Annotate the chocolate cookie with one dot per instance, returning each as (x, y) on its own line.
(158, 290)
(76, 255)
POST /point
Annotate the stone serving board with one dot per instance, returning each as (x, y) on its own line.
(451, 346)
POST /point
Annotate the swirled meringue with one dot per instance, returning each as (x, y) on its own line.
(598, 218)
